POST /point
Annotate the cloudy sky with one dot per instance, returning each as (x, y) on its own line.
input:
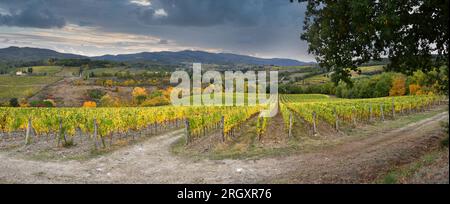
(262, 28)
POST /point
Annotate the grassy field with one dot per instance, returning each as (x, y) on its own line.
(315, 80)
(53, 70)
(109, 71)
(68, 72)
(23, 86)
(49, 70)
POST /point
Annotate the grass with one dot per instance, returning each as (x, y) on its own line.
(371, 69)
(400, 174)
(68, 72)
(49, 70)
(23, 86)
(108, 71)
(318, 79)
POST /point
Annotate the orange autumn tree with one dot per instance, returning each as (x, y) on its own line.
(139, 94)
(415, 89)
(398, 86)
(89, 104)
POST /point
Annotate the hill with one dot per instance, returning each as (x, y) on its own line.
(33, 54)
(188, 56)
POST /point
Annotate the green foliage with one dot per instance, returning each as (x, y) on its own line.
(41, 104)
(96, 94)
(345, 34)
(14, 102)
(373, 87)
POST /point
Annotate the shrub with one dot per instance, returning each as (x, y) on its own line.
(96, 94)
(109, 101)
(51, 101)
(398, 87)
(138, 91)
(14, 102)
(41, 104)
(414, 89)
(89, 104)
(157, 101)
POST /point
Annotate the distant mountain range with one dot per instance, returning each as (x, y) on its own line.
(34, 54)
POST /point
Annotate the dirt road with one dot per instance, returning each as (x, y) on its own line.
(151, 162)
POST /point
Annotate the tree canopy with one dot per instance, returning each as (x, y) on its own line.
(344, 34)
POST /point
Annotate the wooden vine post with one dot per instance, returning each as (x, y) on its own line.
(336, 119)
(222, 128)
(354, 116)
(393, 108)
(314, 123)
(382, 112)
(370, 113)
(28, 133)
(290, 124)
(186, 131)
(94, 137)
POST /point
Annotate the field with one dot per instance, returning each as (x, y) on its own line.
(105, 71)
(311, 110)
(232, 133)
(324, 78)
(23, 86)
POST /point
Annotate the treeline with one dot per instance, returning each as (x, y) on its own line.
(382, 85)
(7, 67)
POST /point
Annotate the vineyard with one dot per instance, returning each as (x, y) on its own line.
(99, 124)
(103, 126)
(351, 112)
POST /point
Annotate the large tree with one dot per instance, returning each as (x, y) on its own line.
(343, 34)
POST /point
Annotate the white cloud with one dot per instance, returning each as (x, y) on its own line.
(141, 2)
(160, 13)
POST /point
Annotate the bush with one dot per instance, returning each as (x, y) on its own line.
(41, 104)
(398, 87)
(157, 101)
(14, 102)
(89, 104)
(96, 94)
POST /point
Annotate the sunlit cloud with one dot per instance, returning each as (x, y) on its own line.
(141, 2)
(160, 13)
(89, 41)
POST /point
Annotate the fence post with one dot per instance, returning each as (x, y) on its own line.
(95, 133)
(354, 116)
(314, 123)
(382, 112)
(290, 124)
(370, 113)
(222, 126)
(28, 133)
(186, 131)
(336, 119)
(393, 108)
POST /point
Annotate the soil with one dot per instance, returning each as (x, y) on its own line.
(66, 94)
(357, 161)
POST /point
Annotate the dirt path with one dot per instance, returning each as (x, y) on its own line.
(151, 162)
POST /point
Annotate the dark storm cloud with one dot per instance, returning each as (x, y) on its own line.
(33, 14)
(264, 27)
